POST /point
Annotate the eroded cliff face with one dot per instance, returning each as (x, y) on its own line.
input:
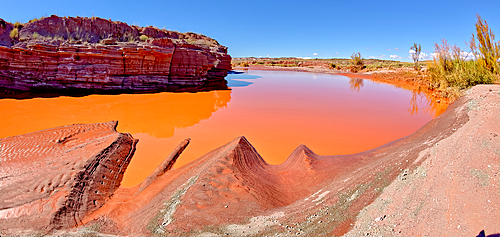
(95, 54)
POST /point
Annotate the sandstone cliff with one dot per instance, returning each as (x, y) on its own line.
(94, 54)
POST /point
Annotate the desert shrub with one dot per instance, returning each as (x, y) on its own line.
(33, 20)
(128, 37)
(18, 25)
(14, 33)
(36, 35)
(143, 38)
(333, 65)
(357, 62)
(450, 71)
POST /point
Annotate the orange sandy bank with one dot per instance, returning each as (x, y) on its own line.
(441, 179)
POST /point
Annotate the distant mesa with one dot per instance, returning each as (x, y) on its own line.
(78, 56)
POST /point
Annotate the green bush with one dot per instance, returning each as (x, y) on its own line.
(143, 38)
(14, 33)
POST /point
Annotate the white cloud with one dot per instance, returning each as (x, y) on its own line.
(467, 56)
(306, 58)
(336, 52)
(422, 56)
(379, 57)
(395, 56)
(315, 54)
(396, 48)
(463, 55)
(367, 47)
(388, 49)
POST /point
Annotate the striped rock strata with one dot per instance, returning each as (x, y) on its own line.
(98, 55)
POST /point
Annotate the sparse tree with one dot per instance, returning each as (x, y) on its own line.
(417, 49)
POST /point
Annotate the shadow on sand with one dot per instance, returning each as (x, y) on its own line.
(482, 234)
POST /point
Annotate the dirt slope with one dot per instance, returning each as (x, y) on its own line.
(455, 190)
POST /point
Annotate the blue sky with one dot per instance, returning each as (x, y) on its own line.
(322, 29)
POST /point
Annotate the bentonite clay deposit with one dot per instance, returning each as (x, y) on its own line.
(91, 55)
(444, 178)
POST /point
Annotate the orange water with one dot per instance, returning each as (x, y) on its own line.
(278, 112)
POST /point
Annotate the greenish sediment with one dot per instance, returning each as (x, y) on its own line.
(483, 177)
(164, 216)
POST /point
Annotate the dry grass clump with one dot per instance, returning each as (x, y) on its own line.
(453, 69)
(14, 33)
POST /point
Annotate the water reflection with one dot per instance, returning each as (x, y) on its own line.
(355, 83)
(8, 93)
(155, 114)
(240, 79)
(433, 106)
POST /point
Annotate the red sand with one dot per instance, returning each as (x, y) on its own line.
(441, 179)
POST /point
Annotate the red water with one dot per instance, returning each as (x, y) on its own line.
(330, 114)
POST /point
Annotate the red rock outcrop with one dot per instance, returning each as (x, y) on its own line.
(51, 179)
(56, 53)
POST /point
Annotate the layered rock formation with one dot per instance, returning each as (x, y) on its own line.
(94, 54)
(443, 176)
(53, 178)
